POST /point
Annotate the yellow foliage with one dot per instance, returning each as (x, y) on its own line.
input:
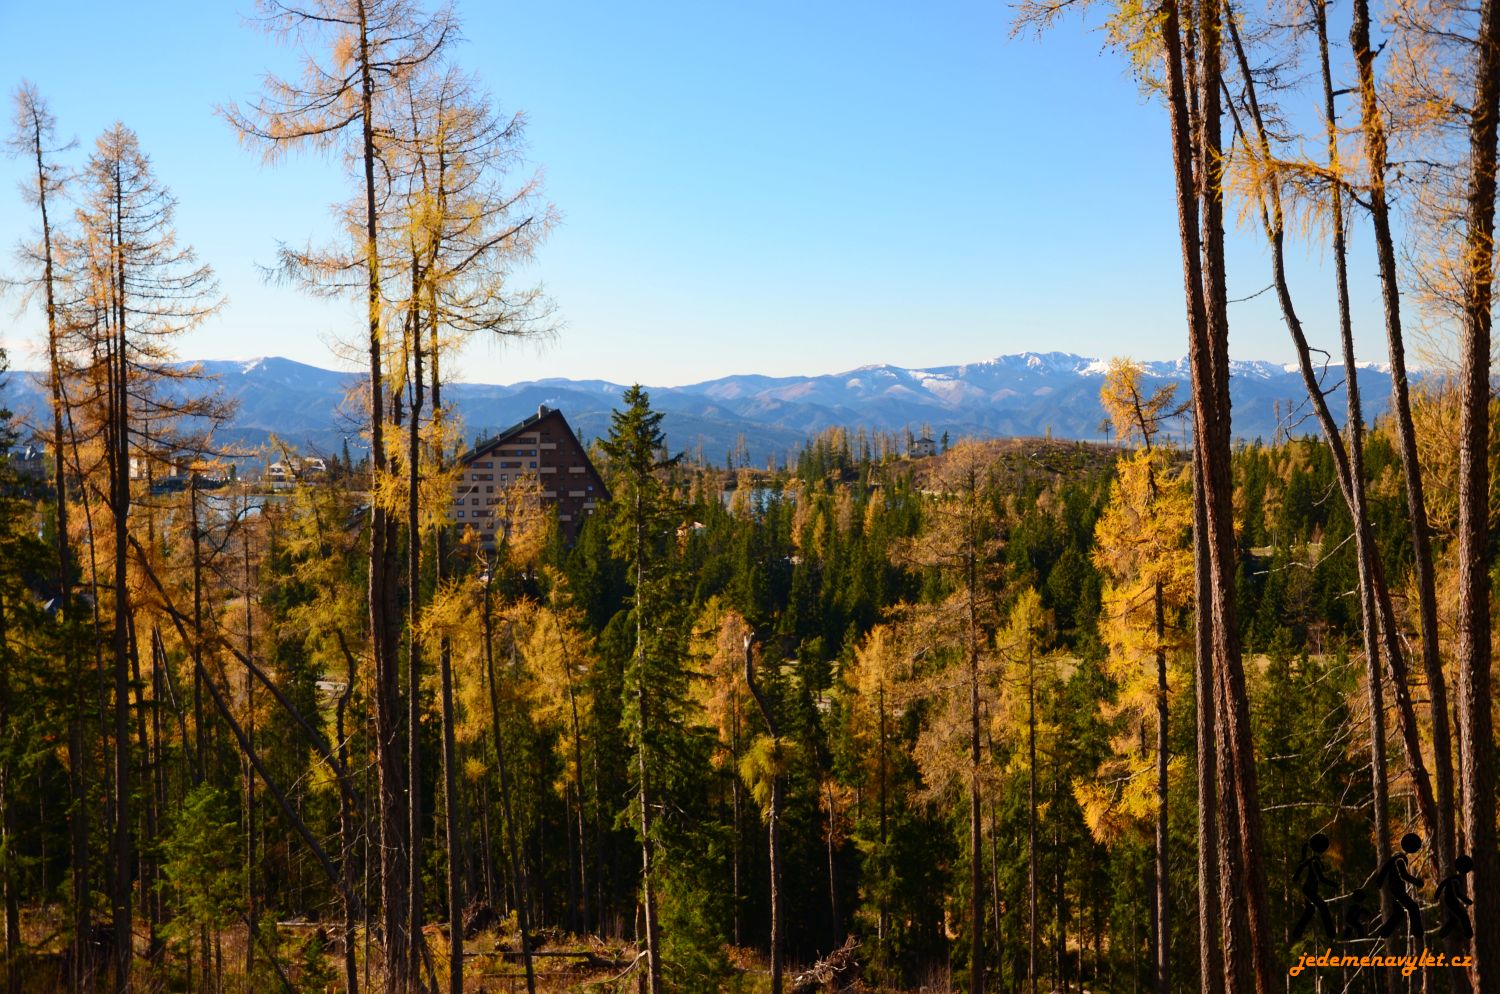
(766, 759)
(1122, 799)
(1143, 548)
(1136, 416)
(722, 697)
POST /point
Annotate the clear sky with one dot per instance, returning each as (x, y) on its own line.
(779, 187)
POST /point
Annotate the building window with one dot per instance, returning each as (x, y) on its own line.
(489, 489)
(460, 514)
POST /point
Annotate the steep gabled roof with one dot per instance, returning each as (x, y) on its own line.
(488, 444)
(543, 413)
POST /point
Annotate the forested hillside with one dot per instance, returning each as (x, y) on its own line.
(944, 672)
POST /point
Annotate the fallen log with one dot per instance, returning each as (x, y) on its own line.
(833, 972)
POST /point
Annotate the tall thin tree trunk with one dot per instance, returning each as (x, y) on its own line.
(1416, 504)
(976, 826)
(347, 814)
(120, 506)
(1058, 881)
(80, 949)
(8, 878)
(1348, 463)
(1210, 954)
(577, 785)
(1476, 738)
(1358, 508)
(1031, 820)
(395, 893)
(1203, 281)
(508, 826)
(883, 924)
(1163, 891)
(773, 817)
(146, 860)
(413, 627)
(251, 864)
(833, 883)
(643, 768)
(452, 790)
(734, 801)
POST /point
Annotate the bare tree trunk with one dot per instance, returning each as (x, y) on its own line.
(833, 883)
(883, 925)
(1059, 884)
(414, 641)
(1031, 825)
(773, 817)
(995, 874)
(251, 921)
(643, 769)
(577, 786)
(8, 882)
(38, 123)
(145, 858)
(119, 438)
(1476, 738)
(517, 876)
(394, 852)
(347, 814)
(452, 790)
(1163, 891)
(1349, 469)
(1416, 503)
(1203, 280)
(734, 794)
(1358, 508)
(976, 826)
(1210, 954)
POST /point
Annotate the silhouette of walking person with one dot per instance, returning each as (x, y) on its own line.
(1310, 871)
(1450, 894)
(1356, 916)
(1393, 878)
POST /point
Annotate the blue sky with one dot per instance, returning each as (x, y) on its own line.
(776, 187)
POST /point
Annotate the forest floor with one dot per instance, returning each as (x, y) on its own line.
(308, 963)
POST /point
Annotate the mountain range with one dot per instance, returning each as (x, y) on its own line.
(1025, 394)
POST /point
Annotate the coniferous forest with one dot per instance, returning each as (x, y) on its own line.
(1179, 711)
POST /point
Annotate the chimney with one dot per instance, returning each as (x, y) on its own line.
(542, 410)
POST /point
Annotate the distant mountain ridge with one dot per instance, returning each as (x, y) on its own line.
(1024, 394)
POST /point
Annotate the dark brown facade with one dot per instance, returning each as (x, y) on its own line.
(543, 449)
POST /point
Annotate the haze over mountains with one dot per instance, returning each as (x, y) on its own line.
(1026, 394)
